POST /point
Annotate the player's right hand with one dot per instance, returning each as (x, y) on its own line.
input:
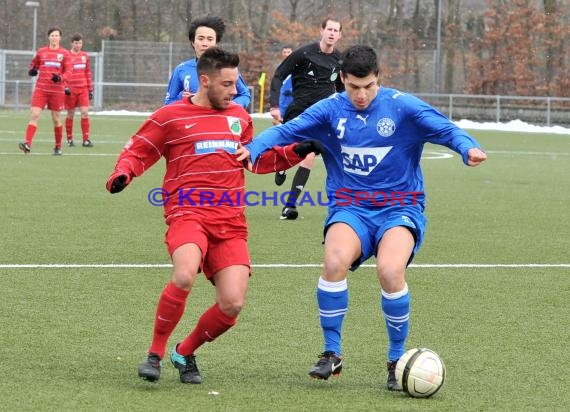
(33, 72)
(117, 182)
(67, 91)
(56, 78)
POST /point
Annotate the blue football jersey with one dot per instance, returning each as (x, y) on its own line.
(372, 156)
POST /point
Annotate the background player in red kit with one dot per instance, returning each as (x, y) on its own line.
(198, 137)
(52, 63)
(80, 90)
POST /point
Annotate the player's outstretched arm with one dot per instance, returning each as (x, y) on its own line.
(280, 158)
(475, 157)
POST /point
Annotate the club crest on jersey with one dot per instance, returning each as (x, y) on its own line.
(386, 127)
(362, 160)
(60, 57)
(235, 125)
(84, 59)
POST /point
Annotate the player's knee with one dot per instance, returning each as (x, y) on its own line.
(232, 307)
(336, 265)
(391, 276)
(183, 277)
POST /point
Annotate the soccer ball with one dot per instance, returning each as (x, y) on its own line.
(420, 372)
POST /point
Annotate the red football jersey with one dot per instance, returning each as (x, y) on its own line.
(202, 173)
(48, 62)
(80, 75)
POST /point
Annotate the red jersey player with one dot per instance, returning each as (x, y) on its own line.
(203, 192)
(52, 63)
(80, 90)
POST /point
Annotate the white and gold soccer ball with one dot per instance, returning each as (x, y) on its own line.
(420, 372)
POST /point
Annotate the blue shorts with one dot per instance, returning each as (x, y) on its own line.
(371, 224)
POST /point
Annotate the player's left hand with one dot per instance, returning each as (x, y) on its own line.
(475, 157)
(90, 94)
(67, 91)
(56, 78)
(308, 146)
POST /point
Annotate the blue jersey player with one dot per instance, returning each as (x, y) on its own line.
(204, 32)
(372, 139)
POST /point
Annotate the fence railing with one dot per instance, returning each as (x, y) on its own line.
(133, 76)
(549, 111)
(107, 95)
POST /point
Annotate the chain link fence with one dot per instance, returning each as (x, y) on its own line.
(130, 75)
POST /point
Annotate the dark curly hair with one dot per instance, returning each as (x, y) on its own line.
(213, 22)
(360, 61)
(215, 59)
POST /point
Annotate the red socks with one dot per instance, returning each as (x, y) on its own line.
(85, 128)
(69, 128)
(169, 310)
(58, 133)
(211, 324)
(30, 132)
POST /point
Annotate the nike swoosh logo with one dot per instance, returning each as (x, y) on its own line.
(188, 126)
(335, 367)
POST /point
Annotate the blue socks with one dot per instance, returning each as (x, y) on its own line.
(396, 311)
(332, 299)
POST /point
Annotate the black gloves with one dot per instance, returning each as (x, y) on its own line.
(117, 182)
(308, 146)
(33, 71)
(56, 78)
(67, 91)
(90, 94)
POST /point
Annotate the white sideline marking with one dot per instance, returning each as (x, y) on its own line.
(280, 265)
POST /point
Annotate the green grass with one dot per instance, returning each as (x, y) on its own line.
(72, 337)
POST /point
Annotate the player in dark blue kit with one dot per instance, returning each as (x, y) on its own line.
(372, 139)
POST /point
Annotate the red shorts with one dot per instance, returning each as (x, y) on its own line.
(79, 97)
(221, 245)
(54, 100)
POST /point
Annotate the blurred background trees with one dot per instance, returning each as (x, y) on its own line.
(516, 47)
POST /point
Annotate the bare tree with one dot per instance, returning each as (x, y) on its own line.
(452, 42)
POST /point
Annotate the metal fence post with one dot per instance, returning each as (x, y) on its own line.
(2, 78)
(498, 114)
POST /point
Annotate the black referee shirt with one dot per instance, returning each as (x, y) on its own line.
(315, 76)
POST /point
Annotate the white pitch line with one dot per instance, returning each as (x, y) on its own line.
(281, 265)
